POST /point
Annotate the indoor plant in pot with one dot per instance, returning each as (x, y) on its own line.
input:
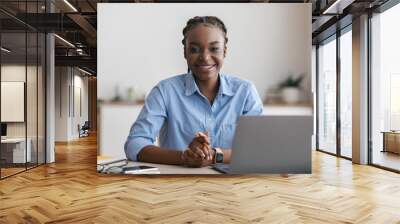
(290, 89)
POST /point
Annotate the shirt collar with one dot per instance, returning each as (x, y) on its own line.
(191, 86)
(225, 88)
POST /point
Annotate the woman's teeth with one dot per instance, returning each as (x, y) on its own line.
(206, 67)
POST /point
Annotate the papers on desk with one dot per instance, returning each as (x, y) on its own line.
(109, 165)
(140, 170)
(120, 166)
(102, 160)
(145, 172)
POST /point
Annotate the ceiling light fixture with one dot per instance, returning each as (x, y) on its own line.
(84, 71)
(79, 51)
(337, 7)
(70, 5)
(5, 50)
(65, 41)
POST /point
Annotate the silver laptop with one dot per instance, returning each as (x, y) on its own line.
(271, 144)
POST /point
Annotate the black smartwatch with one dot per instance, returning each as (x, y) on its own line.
(218, 155)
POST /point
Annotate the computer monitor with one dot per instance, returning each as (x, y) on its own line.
(3, 129)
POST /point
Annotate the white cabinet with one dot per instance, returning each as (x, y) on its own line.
(287, 110)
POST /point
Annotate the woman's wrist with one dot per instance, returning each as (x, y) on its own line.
(182, 157)
(213, 155)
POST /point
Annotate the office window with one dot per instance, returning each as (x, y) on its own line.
(346, 93)
(327, 96)
(314, 95)
(394, 101)
(385, 89)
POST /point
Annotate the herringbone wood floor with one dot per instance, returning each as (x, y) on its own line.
(70, 191)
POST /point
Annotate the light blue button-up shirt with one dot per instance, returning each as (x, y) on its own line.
(175, 110)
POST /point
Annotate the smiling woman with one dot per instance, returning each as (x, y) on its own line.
(205, 49)
(188, 112)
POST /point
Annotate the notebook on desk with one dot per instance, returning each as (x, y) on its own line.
(271, 144)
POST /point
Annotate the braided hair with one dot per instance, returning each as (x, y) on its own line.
(205, 20)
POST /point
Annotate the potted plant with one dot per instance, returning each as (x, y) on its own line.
(290, 89)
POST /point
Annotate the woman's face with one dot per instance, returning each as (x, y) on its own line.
(205, 51)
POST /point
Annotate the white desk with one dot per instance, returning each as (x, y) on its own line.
(167, 169)
(18, 149)
(172, 169)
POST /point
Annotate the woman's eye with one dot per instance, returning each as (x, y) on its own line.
(194, 50)
(214, 49)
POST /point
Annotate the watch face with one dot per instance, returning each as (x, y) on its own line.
(219, 158)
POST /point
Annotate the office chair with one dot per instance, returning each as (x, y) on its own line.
(84, 130)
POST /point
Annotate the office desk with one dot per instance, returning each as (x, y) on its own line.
(13, 150)
(391, 141)
(168, 169)
(172, 169)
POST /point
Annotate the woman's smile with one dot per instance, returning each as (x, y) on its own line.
(205, 67)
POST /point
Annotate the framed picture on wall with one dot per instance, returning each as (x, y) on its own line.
(12, 101)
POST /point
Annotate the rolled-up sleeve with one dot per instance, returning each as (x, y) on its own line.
(145, 129)
(253, 104)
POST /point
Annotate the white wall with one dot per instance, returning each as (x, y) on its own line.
(140, 44)
(18, 73)
(67, 85)
(80, 84)
(33, 126)
(61, 103)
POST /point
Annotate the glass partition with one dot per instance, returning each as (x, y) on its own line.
(327, 96)
(13, 105)
(22, 77)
